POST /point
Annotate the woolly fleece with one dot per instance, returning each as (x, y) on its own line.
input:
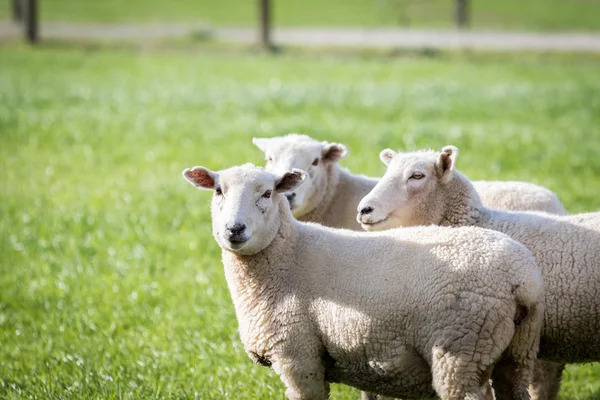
(399, 313)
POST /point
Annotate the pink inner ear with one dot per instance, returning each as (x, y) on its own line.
(446, 162)
(288, 181)
(386, 156)
(202, 178)
(334, 153)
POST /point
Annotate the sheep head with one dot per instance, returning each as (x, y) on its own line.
(285, 153)
(245, 204)
(412, 190)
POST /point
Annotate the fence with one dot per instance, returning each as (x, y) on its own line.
(26, 12)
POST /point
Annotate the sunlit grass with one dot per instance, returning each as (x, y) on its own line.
(111, 284)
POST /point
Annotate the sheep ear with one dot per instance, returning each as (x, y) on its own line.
(386, 156)
(261, 143)
(446, 161)
(333, 152)
(201, 177)
(290, 181)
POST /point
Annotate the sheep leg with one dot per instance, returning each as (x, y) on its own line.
(455, 378)
(368, 396)
(372, 396)
(546, 380)
(489, 392)
(304, 379)
(508, 383)
(512, 375)
(511, 380)
(487, 383)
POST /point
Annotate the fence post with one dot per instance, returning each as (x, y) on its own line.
(264, 9)
(30, 14)
(462, 14)
(17, 10)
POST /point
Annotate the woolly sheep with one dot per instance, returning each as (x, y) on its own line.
(423, 188)
(331, 194)
(399, 313)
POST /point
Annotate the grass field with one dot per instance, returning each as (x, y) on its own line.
(546, 15)
(111, 285)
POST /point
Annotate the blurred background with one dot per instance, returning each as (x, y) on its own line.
(533, 15)
(111, 285)
(379, 23)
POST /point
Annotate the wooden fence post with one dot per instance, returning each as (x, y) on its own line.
(462, 13)
(30, 14)
(264, 9)
(17, 10)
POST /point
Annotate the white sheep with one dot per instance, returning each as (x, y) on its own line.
(423, 188)
(331, 193)
(410, 312)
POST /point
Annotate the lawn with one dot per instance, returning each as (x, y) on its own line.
(545, 15)
(111, 284)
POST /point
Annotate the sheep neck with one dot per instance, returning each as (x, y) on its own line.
(462, 205)
(258, 285)
(334, 178)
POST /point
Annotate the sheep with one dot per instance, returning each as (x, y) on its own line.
(414, 312)
(423, 188)
(331, 194)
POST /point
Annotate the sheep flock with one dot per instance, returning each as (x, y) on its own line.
(419, 284)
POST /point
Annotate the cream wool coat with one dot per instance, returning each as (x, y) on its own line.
(567, 248)
(407, 313)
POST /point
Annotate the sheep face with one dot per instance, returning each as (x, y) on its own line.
(285, 153)
(245, 204)
(410, 193)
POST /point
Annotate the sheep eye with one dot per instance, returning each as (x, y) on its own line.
(315, 162)
(218, 191)
(417, 175)
(270, 159)
(267, 194)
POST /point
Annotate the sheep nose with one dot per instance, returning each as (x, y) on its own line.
(366, 210)
(235, 229)
(290, 196)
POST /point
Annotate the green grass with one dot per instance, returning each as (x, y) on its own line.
(546, 15)
(111, 283)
